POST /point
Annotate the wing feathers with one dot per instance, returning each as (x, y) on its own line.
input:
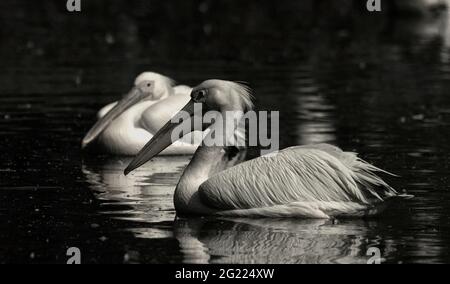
(301, 175)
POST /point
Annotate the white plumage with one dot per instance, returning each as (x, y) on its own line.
(314, 181)
(127, 132)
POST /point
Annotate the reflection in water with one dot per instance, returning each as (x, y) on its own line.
(259, 241)
(316, 125)
(146, 195)
(446, 41)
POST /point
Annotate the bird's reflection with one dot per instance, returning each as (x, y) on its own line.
(146, 195)
(258, 241)
(317, 124)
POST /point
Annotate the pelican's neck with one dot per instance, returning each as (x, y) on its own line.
(134, 113)
(207, 161)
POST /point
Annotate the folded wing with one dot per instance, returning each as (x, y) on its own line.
(320, 173)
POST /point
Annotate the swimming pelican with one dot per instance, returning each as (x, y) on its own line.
(125, 127)
(316, 181)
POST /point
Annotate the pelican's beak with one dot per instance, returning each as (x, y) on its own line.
(163, 138)
(133, 97)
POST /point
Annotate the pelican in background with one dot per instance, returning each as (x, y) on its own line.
(124, 127)
(316, 181)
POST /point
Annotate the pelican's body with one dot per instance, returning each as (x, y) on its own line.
(127, 132)
(318, 181)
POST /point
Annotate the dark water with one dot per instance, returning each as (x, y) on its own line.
(369, 83)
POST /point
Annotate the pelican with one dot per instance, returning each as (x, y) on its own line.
(124, 127)
(315, 181)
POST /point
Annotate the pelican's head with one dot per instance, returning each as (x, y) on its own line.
(148, 86)
(216, 95)
(223, 96)
(154, 86)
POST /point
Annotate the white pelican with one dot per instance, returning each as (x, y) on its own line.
(125, 127)
(317, 181)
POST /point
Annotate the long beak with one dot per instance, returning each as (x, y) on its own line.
(162, 139)
(132, 98)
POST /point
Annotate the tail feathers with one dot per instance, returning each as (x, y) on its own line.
(400, 197)
(364, 173)
(372, 168)
(366, 176)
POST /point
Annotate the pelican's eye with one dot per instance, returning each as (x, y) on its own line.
(146, 87)
(200, 96)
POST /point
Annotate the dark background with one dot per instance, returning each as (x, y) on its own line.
(375, 83)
